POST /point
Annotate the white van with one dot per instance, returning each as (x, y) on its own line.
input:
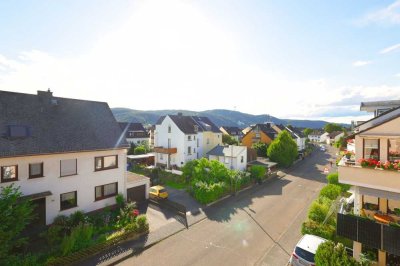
(304, 252)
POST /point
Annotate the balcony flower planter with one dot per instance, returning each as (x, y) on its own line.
(375, 164)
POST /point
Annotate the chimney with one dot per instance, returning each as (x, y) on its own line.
(180, 114)
(47, 94)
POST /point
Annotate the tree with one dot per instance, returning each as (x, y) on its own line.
(283, 149)
(257, 172)
(226, 139)
(307, 131)
(261, 149)
(341, 143)
(140, 150)
(16, 213)
(330, 127)
(335, 255)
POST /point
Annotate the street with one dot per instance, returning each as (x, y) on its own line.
(257, 227)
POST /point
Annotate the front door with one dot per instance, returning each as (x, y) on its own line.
(39, 212)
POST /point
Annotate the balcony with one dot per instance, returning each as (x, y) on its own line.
(386, 180)
(165, 150)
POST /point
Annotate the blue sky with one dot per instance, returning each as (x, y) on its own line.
(290, 59)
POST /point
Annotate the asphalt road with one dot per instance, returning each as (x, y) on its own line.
(258, 227)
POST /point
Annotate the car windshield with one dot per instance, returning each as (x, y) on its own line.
(162, 190)
(304, 254)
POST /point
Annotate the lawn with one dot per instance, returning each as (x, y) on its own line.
(175, 185)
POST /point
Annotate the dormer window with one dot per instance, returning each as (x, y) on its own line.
(169, 128)
(18, 131)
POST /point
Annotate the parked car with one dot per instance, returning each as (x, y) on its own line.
(323, 148)
(304, 252)
(158, 192)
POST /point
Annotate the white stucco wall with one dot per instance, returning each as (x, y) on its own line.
(84, 182)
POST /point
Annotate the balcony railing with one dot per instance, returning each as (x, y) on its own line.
(165, 150)
(369, 232)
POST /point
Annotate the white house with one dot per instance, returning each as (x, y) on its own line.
(234, 157)
(135, 133)
(179, 139)
(333, 137)
(296, 134)
(64, 154)
(324, 137)
(315, 136)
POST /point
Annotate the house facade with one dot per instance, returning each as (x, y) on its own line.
(135, 133)
(376, 190)
(333, 137)
(315, 136)
(179, 139)
(64, 154)
(296, 134)
(264, 133)
(233, 157)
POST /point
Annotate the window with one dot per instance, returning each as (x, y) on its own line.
(208, 141)
(189, 137)
(194, 137)
(226, 160)
(393, 206)
(18, 131)
(105, 162)
(393, 149)
(189, 150)
(241, 159)
(68, 167)
(106, 191)
(35, 170)
(257, 135)
(371, 149)
(161, 156)
(169, 129)
(9, 173)
(68, 200)
(196, 128)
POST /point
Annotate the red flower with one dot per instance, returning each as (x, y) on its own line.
(135, 212)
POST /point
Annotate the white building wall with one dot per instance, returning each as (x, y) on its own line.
(84, 182)
(138, 141)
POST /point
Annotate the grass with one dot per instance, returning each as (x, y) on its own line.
(175, 185)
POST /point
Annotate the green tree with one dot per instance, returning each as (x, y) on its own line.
(334, 255)
(283, 149)
(257, 172)
(16, 213)
(331, 191)
(131, 150)
(341, 143)
(229, 140)
(261, 149)
(307, 131)
(140, 150)
(330, 127)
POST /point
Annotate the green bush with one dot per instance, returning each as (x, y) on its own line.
(76, 218)
(335, 255)
(80, 237)
(54, 235)
(331, 191)
(140, 150)
(142, 224)
(318, 212)
(333, 178)
(261, 149)
(206, 193)
(314, 228)
(119, 199)
(257, 172)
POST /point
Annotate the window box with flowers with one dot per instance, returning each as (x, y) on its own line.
(375, 164)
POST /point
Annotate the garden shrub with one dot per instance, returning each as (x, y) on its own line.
(257, 172)
(331, 191)
(80, 237)
(142, 224)
(54, 235)
(314, 228)
(127, 215)
(333, 178)
(206, 193)
(139, 150)
(283, 149)
(330, 254)
(76, 218)
(132, 227)
(119, 199)
(318, 211)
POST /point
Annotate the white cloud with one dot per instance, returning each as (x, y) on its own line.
(397, 75)
(386, 15)
(361, 63)
(390, 49)
(169, 55)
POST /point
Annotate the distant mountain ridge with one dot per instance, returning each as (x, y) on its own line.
(220, 117)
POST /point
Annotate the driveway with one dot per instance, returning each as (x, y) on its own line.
(157, 217)
(183, 197)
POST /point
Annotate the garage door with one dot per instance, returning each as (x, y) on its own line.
(137, 194)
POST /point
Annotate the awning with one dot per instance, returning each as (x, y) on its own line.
(37, 195)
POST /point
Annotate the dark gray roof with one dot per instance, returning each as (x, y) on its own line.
(159, 121)
(267, 129)
(132, 126)
(206, 124)
(232, 131)
(187, 124)
(56, 125)
(217, 151)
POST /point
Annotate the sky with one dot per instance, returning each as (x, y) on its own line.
(306, 59)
